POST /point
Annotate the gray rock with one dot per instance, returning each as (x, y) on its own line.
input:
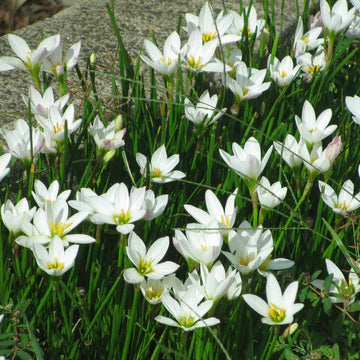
(89, 22)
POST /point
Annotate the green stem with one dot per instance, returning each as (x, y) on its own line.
(306, 191)
(130, 328)
(254, 200)
(121, 251)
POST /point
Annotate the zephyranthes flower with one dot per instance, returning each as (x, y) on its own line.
(280, 308)
(353, 105)
(147, 262)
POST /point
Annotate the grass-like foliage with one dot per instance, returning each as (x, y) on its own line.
(219, 183)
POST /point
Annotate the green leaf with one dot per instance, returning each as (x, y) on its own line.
(327, 282)
(355, 306)
(315, 274)
(327, 306)
(289, 355)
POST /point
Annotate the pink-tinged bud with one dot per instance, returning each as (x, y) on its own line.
(316, 20)
(333, 149)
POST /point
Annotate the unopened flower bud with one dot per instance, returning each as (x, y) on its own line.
(290, 330)
(119, 123)
(333, 149)
(109, 155)
(92, 58)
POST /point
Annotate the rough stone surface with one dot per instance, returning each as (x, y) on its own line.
(89, 22)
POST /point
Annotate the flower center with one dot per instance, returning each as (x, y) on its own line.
(346, 290)
(276, 314)
(145, 267)
(283, 74)
(209, 36)
(305, 39)
(57, 128)
(342, 205)
(151, 293)
(194, 64)
(122, 218)
(244, 260)
(58, 229)
(168, 61)
(225, 220)
(156, 172)
(245, 91)
(55, 264)
(186, 321)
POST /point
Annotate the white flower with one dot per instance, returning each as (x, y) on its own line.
(345, 202)
(4, 162)
(26, 58)
(198, 57)
(338, 18)
(55, 261)
(253, 24)
(289, 151)
(203, 113)
(18, 141)
(153, 290)
(308, 41)
(214, 283)
(165, 63)
(187, 310)
(42, 195)
(154, 207)
(235, 287)
(247, 161)
(315, 161)
(106, 138)
(248, 83)
(225, 218)
(283, 72)
(116, 206)
(211, 30)
(270, 196)
(342, 291)
(201, 244)
(54, 220)
(353, 105)
(56, 63)
(54, 124)
(147, 262)
(280, 308)
(314, 129)
(160, 167)
(249, 248)
(15, 216)
(40, 104)
(311, 64)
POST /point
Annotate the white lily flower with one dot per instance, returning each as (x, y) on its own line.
(54, 220)
(4, 162)
(16, 216)
(54, 125)
(18, 141)
(353, 105)
(154, 206)
(211, 30)
(147, 262)
(314, 129)
(289, 151)
(315, 161)
(187, 310)
(343, 203)
(56, 63)
(342, 291)
(153, 290)
(338, 18)
(26, 58)
(279, 308)
(40, 104)
(283, 72)
(198, 57)
(106, 138)
(201, 244)
(249, 248)
(247, 161)
(235, 287)
(225, 218)
(270, 196)
(55, 260)
(254, 25)
(215, 283)
(308, 41)
(42, 194)
(248, 83)
(203, 113)
(160, 167)
(165, 63)
(311, 64)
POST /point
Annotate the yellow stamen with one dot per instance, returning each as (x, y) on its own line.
(186, 321)
(58, 229)
(276, 314)
(55, 264)
(151, 293)
(225, 221)
(145, 267)
(283, 74)
(342, 205)
(245, 260)
(305, 39)
(209, 36)
(57, 128)
(122, 218)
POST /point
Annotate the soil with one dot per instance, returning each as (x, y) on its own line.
(29, 12)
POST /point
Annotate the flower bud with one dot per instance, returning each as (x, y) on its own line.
(333, 149)
(290, 330)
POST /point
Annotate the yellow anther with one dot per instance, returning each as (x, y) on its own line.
(283, 74)
(244, 260)
(151, 293)
(57, 128)
(225, 220)
(145, 267)
(209, 36)
(58, 229)
(122, 218)
(305, 39)
(276, 314)
(55, 264)
(186, 321)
